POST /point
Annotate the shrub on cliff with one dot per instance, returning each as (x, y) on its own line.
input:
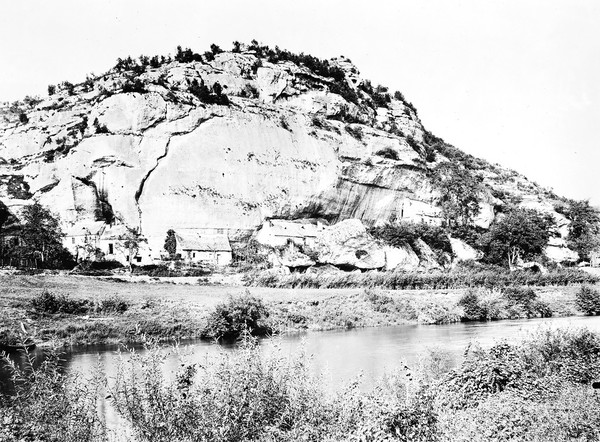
(212, 95)
(134, 86)
(405, 232)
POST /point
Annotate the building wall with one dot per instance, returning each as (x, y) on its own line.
(200, 256)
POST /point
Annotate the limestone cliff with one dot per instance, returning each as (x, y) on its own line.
(158, 146)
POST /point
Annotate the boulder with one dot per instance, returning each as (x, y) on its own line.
(347, 244)
(400, 258)
(292, 258)
(427, 257)
(463, 251)
(560, 253)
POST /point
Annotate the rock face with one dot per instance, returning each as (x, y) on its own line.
(463, 251)
(291, 144)
(348, 245)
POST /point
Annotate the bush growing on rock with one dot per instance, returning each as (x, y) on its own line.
(134, 86)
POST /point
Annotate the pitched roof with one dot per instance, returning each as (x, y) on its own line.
(292, 229)
(86, 228)
(191, 239)
(116, 231)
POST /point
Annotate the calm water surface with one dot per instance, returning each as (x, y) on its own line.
(339, 356)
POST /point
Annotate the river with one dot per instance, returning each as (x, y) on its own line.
(341, 356)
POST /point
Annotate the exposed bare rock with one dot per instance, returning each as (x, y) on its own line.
(293, 258)
(348, 245)
(291, 141)
(427, 257)
(400, 258)
(463, 251)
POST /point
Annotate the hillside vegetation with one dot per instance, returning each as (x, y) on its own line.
(211, 140)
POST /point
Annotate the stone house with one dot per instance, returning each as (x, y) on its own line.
(197, 246)
(82, 240)
(99, 241)
(280, 232)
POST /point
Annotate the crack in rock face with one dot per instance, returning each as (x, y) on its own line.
(230, 142)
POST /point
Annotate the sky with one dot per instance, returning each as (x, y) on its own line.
(516, 82)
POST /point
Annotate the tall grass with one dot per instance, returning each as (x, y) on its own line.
(419, 280)
(535, 390)
(41, 403)
(252, 397)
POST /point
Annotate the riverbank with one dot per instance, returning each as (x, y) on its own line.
(535, 389)
(120, 312)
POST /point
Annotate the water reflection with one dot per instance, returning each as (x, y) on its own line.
(339, 356)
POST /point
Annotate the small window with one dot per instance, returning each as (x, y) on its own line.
(73, 240)
(110, 249)
(194, 255)
(138, 259)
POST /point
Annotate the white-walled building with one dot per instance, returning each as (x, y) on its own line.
(194, 245)
(97, 240)
(278, 232)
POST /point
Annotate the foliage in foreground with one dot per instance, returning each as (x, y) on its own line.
(252, 397)
(532, 391)
(43, 404)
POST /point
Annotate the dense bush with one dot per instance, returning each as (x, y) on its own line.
(524, 232)
(248, 396)
(532, 369)
(113, 304)
(40, 241)
(240, 313)
(51, 303)
(212, 95)
(406, 232)
(588, 300)
(44, 404)
(136, 85)
(356, 132)
(511, 303)
(584, 229)
(48, 302)
(473, 310)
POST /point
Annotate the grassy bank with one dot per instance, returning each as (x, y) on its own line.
(536, 390)
(455, 279)
(100, 311)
